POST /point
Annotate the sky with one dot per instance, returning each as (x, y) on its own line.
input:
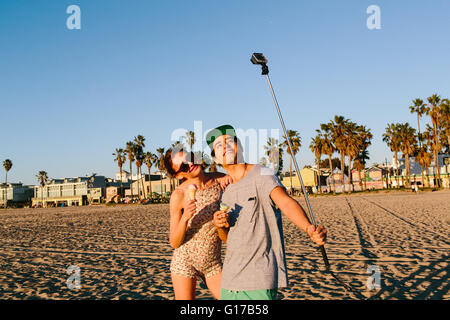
(70, 97)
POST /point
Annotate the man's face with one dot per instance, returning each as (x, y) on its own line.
(225, 150)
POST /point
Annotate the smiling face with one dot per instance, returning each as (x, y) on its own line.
(184, 166)
(225, 150)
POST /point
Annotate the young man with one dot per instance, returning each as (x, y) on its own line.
(255, 265)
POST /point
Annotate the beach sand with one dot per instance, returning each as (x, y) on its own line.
(123, 251)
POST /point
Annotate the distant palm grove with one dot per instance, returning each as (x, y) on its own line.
(341, 136)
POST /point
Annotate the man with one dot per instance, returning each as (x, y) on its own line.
(255, 265)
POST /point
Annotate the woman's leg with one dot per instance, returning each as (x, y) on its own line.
(184, 287)
(213, 284)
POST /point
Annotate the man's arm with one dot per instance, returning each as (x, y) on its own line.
(297, 215)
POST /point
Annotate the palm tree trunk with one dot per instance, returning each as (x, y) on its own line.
(418, 128)
(150, 182)
(331, 171)
(160, 172)
(360, 181)
(343, 169)
(408, 182)
(137, 180)
(318, 176)
(350, 180)
(142, 182)
(396, 169)
(131, 183)
(436, 157)
(365, 182)
(121, 185)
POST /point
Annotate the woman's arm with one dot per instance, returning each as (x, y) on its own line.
(178, 218)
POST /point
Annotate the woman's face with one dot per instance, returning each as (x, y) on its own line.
(188, 168)
(225, 150)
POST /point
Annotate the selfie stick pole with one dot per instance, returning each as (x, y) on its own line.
(265, 71)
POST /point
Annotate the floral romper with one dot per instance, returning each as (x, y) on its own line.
(200, 253)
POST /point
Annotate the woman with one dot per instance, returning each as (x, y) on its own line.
(192, 232)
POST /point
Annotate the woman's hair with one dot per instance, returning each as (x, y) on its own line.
(168, 159)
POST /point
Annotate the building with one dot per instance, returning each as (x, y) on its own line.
(15, 194)
(339, 183)
(429, 173)
(158, 185)
(373, 178)
(310, 179)
(76, 191)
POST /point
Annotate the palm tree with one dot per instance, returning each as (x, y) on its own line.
(316, 147)
(424, 158)
(42, 177)
(360, 164)
(407, 136)
(129, 149)
(161, 166)
(391, 138)
(433, 111)
(420, 109)
(430, 141)
(365, 137)
(7, 164)
(444, 121)
(120, 157)
(337, 127)
(139, 155)
(296, 143)
(352, 142)
(328, 148)
(190, 139)
(274, 151)
(150, 160)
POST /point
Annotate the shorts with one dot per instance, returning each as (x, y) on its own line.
(265, 294)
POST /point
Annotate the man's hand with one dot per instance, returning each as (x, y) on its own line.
(220, 219)
(318, 235)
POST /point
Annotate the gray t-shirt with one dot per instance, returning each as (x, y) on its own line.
(255, 257)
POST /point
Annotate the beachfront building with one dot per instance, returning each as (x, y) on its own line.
(340, 181)
(429, 173)
(310, 179)
(158, 185)
(15, 194)
(375, 177)
(76, 191)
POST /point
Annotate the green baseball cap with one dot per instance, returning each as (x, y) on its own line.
(225, 129)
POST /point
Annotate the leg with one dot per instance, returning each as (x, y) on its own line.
(184, 287)
(213, 283)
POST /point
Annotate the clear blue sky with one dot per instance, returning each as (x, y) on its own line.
(68, 98)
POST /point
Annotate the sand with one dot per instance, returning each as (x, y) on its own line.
(123, 252)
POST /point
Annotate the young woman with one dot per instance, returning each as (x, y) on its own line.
(192, 232)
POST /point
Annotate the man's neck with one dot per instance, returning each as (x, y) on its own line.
(237, 171)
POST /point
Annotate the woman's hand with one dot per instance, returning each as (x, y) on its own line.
(220, 219)
(189, 210)
(224, 181)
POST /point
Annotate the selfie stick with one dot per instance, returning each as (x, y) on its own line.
(258, 58)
